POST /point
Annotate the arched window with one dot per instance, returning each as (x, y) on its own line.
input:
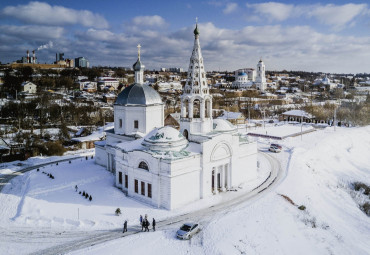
(196, 108)
(143, 165)
(185, 134)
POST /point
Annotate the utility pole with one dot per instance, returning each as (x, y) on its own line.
(301, 124)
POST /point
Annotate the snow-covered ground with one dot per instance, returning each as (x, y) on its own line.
(35, 202)
(280, 130)
(319, 170)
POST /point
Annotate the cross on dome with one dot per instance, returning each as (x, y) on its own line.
(138, 50)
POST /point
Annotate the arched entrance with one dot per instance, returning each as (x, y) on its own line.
(221, 169)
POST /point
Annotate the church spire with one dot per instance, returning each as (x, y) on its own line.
(196, 81)
(196, 102)
(196, 31)
(139, 68)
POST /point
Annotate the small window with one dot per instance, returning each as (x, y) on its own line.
(149, 190)
(143, 165)
(126, 181)
(143, 188)
(120, 177)
(120, 123)
(136, 124)
(136, 186)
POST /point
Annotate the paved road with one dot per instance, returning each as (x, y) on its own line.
(5, 178)
(204, 215)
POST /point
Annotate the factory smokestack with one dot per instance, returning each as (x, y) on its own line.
(33, 57)
(28, 56)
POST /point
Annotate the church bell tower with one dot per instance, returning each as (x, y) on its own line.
(196, 102)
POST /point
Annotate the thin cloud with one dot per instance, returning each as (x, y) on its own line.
(151, 21)
(273, 10)
(44, 14)
(335, 16)
(338, 16)
(230, 8)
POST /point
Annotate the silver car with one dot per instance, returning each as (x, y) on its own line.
(187, 230)
(274, 149)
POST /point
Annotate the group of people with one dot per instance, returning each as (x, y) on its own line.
(144, 222)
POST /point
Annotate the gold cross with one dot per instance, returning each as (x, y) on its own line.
(196, 20)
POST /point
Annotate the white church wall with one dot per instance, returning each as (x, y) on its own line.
(147, 117)
(185, 188)
(100, 156)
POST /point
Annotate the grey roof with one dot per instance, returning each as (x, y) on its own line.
(138, 94)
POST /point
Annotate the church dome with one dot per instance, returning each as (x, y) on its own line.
(221, 125)
(138, 94)
(138, 65)
(165, 139)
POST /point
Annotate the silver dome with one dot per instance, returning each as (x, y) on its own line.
(138, 94)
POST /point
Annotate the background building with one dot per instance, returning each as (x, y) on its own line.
(81, 62)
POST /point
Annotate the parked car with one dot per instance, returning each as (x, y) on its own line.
(277, 145)
(274, 149)
(187, 231)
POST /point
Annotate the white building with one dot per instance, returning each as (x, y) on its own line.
(108, 82)
(87, 85)
(261, 77)
(242, 80)
(246, 78)
(29, 87)
(164, 167)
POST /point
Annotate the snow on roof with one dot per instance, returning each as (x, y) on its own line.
(230, 115)
(298, 113)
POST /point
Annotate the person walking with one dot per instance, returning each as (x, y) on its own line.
(153, 224)
(141, 223)
(125, 226)
(76, 188)
(147, 224)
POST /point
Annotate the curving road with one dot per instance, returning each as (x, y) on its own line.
(89, 239)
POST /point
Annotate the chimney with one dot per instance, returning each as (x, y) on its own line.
(33, 57)
(28, 56)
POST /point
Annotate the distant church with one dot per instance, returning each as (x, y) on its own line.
(166, 168)
(246, 78)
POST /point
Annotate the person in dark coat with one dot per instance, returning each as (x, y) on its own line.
(141, 223)
(147, 224)
(153, 224)
(125, 226)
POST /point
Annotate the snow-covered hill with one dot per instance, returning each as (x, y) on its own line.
(37, 212)
(321, 169)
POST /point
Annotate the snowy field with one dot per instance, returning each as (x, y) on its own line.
(35, 202)
(280, 130)
(318, 172)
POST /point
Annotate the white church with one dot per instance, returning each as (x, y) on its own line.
(167, 168)
(247, 77)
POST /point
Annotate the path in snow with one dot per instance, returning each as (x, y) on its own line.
(5, 178)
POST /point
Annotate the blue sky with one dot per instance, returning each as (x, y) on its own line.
(292, 35)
